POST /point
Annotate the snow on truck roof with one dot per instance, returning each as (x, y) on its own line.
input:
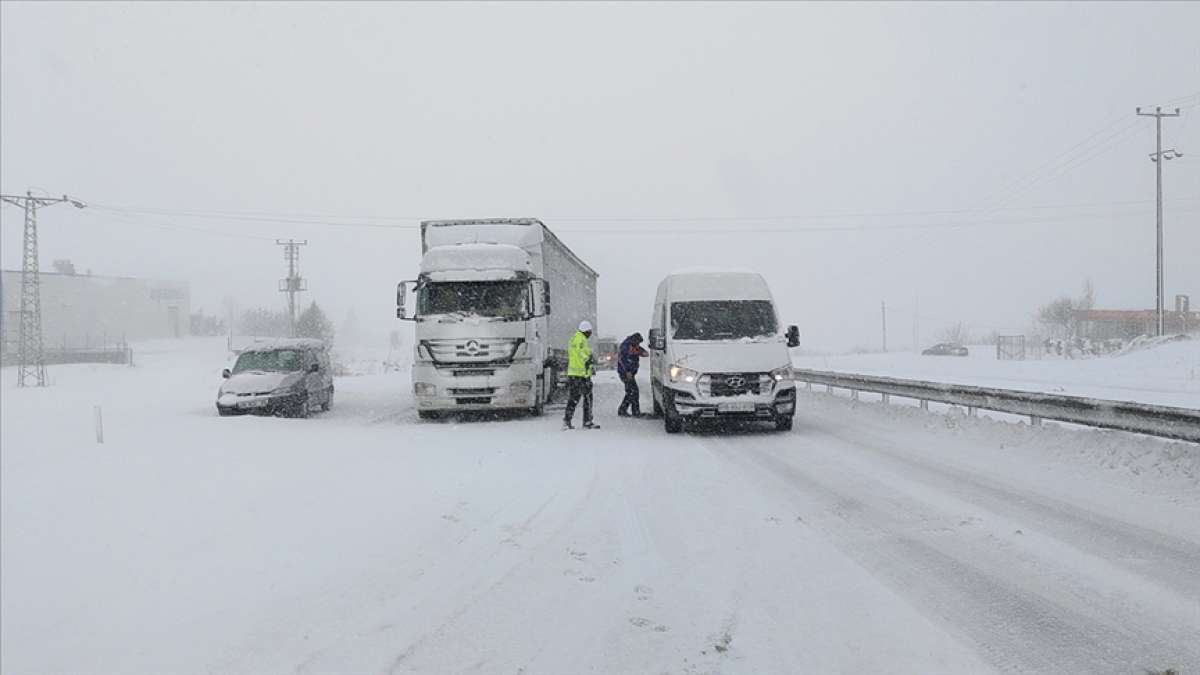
(490, 260)
(712, 283)
(526, 233)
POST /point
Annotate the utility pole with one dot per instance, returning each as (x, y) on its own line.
(294, 283)
(31, 358)
(1156, 157)
(916, 323)
(883, 312)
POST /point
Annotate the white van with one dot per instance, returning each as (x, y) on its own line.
(717, 350)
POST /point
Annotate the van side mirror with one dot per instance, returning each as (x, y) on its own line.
(793, 336)
(658, 341)
(401, 297)
(226, 374)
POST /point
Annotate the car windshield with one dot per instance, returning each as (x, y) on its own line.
(722, 319)
(498, 299)
(277, 361)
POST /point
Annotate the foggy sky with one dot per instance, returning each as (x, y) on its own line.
(631, 130)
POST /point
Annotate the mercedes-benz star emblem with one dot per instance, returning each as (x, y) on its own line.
(472, 347)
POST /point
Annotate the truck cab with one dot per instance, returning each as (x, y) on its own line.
(485, 333)
(718, 352)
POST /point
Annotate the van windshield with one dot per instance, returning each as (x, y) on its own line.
(280, 361)
(722, 319)
(499, 299)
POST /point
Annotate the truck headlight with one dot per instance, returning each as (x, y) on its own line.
(680, 374)
(424, 389)
(521, 388)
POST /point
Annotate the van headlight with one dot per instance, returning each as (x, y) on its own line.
(783, 374)
(680, 374)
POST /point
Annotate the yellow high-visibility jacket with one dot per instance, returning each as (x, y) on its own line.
(579, 356)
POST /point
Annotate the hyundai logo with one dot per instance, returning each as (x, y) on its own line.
(735, 382)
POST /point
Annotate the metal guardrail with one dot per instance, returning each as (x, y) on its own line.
(1155, 420)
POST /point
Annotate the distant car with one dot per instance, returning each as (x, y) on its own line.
(606, 353)
(288, 377)
(945, 349)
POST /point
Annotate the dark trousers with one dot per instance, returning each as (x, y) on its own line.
(633, 397)
(579, 387)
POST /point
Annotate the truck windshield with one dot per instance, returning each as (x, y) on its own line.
(281, 361)
(722, 319)
(495, 299)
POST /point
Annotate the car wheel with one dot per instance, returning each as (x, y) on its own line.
(301, 408)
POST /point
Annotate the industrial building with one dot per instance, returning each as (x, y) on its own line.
(85, 310)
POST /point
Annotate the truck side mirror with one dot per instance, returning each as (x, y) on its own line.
(401, 296)
(793, 336)
(540, 295)
(658, 341)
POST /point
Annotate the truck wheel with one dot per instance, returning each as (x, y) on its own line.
(539, 408)
(427, 414)
(783, 423)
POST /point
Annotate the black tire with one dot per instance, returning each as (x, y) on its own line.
(328, 403)
(300, 411)
(539, 408)
(658, 411)
(673, 425)
(225, 413)
(428, 414)
(783, 423)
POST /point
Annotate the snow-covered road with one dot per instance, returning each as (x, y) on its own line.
(870, 539)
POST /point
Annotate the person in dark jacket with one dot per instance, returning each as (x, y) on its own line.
(628, 357)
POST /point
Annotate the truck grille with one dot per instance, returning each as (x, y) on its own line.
(733, 384)
(472, 391)
(469, 351)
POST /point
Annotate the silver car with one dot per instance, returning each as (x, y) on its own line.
(287, 377)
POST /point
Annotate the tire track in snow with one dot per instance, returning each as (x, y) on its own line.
(1013, 623)
(1169, 560)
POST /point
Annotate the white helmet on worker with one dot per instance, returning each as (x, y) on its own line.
(585, 326)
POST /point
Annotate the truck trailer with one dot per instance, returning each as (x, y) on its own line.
(496, 303)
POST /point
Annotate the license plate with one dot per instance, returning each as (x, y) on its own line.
(261, 403)
(735, 407)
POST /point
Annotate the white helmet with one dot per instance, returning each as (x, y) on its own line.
(585, 326)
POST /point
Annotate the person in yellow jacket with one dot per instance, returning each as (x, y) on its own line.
(580, 368)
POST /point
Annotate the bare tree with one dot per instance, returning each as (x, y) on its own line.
(1058, 317)
(958, 333)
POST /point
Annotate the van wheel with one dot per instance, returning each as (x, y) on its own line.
(783, 423)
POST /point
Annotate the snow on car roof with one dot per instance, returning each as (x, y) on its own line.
(275, 344)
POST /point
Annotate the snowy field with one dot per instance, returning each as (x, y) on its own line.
(1167, 374)
(871, 539)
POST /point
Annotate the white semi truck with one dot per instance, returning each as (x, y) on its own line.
(496, 303)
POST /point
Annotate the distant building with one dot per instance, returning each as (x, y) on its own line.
(86, 310)
(1107, 324)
